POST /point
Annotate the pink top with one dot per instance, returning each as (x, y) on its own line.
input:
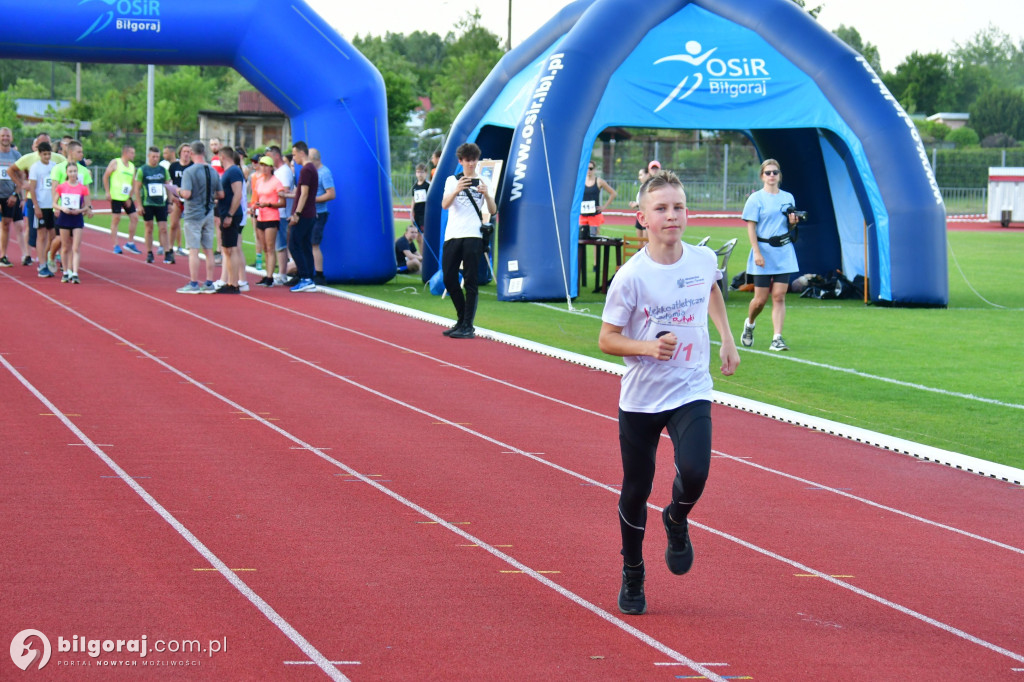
(264, 191)
(64, 196)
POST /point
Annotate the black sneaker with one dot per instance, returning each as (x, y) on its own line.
(679, 553)
(265, 282)
(4, 262)
(465, 332)
(631, 595)
(149, 257)
(27, 260)
(228, 289)
(291, 281)
(169, 257)
(320, 280)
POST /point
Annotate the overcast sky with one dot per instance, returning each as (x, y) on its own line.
(896, 27)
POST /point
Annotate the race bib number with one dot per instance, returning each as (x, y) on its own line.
(690, 344)
(155, 190)
(3, 173)
(126, 190)
(419, 196)
(47, 183)
(588, 207)
(70, 202)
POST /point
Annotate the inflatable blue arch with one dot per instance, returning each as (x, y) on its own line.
(332, 94)
(849, 152)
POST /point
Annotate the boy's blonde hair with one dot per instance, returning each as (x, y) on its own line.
(658, 180)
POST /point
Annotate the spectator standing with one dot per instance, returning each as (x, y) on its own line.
(230, 210)
(302, 219)
(419, 202)
(267, 203)
(200, 189)
(324, 194)
(463, 242)
(176, 169)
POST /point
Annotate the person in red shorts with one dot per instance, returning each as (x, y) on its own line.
(591, 208)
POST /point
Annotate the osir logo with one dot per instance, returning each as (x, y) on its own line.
(125, 15)
(731, 77)
(24, 655)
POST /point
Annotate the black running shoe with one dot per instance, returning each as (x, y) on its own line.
(453, 329)
(169, 257)
(631, 595)
(679, 553)
(228, 289)
(466, 331)
(149, 257)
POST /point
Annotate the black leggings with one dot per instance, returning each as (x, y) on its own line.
(689, 427)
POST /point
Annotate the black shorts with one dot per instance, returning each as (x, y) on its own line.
(159, 213)
(47, 220)
(12, 212)
(116, 205)
(765, 281)
(267, 224)
(229, 236)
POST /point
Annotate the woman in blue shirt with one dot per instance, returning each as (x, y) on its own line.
(771, 266)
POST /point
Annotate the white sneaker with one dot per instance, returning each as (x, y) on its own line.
(218, 284)
(778, 344)
(280, 279)
(747, 337)
(243, 286)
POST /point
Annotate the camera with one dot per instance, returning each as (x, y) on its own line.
(475, 182)
(801, 216)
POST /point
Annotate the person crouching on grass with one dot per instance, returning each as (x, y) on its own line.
(71, 203)
(656, 317)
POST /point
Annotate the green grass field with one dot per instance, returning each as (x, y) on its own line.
(952, 378)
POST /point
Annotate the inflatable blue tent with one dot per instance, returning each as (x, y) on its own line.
(850, 154)
(333, 95)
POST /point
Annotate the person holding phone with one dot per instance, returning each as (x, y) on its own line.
(465, 197)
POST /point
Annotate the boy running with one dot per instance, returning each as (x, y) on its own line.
(656, 318)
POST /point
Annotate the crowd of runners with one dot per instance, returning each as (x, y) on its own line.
(196, 199)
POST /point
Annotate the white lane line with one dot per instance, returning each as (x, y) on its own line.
(268, 611)
(224, 570)
(573, 406)
(537, 576)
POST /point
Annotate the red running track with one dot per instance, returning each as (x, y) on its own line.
(325, 489)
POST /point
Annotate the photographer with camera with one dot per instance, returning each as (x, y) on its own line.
(771, 220)
(464, 195)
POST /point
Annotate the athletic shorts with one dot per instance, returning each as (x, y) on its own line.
(318, 228)
(199, 233)
(12, 212)
(74, 222)
(596, 220)
(47, 220)
(765, 281)
(159, 213)
(116, 205)
(268, 224)
(229, 236)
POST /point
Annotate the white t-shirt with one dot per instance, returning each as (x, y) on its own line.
(43, 197)
(463, 220)
(648, 299)
(287, 178)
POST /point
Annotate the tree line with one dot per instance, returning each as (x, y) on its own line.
(983, 76)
